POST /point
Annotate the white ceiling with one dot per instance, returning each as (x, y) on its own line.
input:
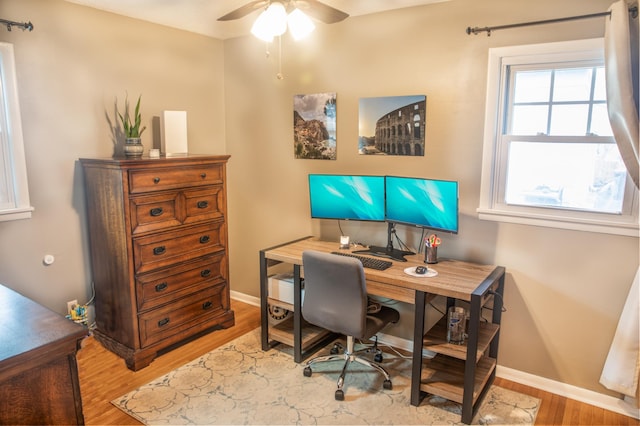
(200, 16)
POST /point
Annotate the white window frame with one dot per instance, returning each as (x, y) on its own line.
(494, 164)
(12, 158)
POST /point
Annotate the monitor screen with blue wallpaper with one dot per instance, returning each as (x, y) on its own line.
(346, 197)
(422, 202)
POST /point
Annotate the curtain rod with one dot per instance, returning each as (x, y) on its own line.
(23, 25)
(633, 10)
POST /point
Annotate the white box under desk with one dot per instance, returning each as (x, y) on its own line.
(281, 289)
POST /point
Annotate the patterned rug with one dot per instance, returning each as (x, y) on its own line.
(240, 384)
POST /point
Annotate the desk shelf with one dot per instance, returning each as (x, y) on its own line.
(280, 304)
(444, 376)
(283, 333)
(436, 340)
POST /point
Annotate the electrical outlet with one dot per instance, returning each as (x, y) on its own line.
(71, 305)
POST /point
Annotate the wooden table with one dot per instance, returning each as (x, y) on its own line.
(461, 373)
(38, 370)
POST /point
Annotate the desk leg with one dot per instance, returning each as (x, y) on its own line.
(418, 334)
(264, 293)
(468, 408)
(470, 364)
(297, 314)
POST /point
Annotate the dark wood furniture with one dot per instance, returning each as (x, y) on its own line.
(158, 235)
(38, 370)
(461, 373)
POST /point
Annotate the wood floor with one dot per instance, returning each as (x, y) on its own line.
(104, 377)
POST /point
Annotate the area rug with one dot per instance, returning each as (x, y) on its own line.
(240, 384)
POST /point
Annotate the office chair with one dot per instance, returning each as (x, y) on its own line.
(336, 299)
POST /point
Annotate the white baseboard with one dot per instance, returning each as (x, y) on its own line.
(617, 405)
(250, 300)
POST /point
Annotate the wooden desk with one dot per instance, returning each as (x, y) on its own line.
(38, 371)
(461, 373)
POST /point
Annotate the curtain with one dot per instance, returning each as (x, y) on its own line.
(622, 366)
(621, 67)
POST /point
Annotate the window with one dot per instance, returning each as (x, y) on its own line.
(14, 193)
(550, 158)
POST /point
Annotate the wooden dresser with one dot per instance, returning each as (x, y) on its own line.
(38, 370)
(159, 252)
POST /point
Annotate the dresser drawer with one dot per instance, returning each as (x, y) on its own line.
(161, 179)
(204, 204)
(168, 248)
(158, 288)
(169, 209)
(177, 317)
(155, 212)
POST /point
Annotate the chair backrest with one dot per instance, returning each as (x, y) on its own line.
(335, 295)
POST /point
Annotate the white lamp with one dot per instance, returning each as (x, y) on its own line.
(300, 25)
(272, 22)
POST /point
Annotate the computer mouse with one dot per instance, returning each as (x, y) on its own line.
(421, 270)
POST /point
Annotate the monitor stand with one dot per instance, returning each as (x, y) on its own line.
(388, 251)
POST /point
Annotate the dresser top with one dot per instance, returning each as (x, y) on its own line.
(28, 328)
(162, 160)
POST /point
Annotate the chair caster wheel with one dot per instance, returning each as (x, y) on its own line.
(307, 371)
(377, 358)
(387, 384)
(334, 350)
(339, 395)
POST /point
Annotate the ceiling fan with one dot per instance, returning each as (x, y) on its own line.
(313, 8)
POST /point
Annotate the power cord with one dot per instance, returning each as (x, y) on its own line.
(504, 309)
(80, 313)
(368, 346)
(422, 237)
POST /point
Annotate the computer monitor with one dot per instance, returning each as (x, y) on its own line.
(425, 203)
(347, 197)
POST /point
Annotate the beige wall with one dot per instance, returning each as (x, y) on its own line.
(71, 69)
(564, 292)
(565, 289)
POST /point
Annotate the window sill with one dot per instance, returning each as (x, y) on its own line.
(629, 228)
(16, 214)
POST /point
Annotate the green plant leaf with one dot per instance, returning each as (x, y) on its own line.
(131, 127)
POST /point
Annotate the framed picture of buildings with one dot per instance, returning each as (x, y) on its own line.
(392, 125)
(314, 126)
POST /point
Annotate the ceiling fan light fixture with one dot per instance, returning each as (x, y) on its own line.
(300, 25)
(261, 30)
(271, 22)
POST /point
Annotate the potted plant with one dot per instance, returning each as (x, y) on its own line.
(132, 129)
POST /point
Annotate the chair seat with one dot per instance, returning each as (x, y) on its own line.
(377, 321)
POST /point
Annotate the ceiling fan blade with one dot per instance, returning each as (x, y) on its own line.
(244, 10)
(320, 11)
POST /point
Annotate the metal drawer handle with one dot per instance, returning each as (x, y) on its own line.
(161, 287)
(156, 180)
(159, 250)
(203, 175)
(156, 211)
(203, 204)
(205, 273)
(207, 305)
(204, 239)
(163, 322)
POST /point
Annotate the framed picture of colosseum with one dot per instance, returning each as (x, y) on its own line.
(392, 125)
(314, 126)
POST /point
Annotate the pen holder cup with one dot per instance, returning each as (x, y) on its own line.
(456, 325)
(431, 255)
